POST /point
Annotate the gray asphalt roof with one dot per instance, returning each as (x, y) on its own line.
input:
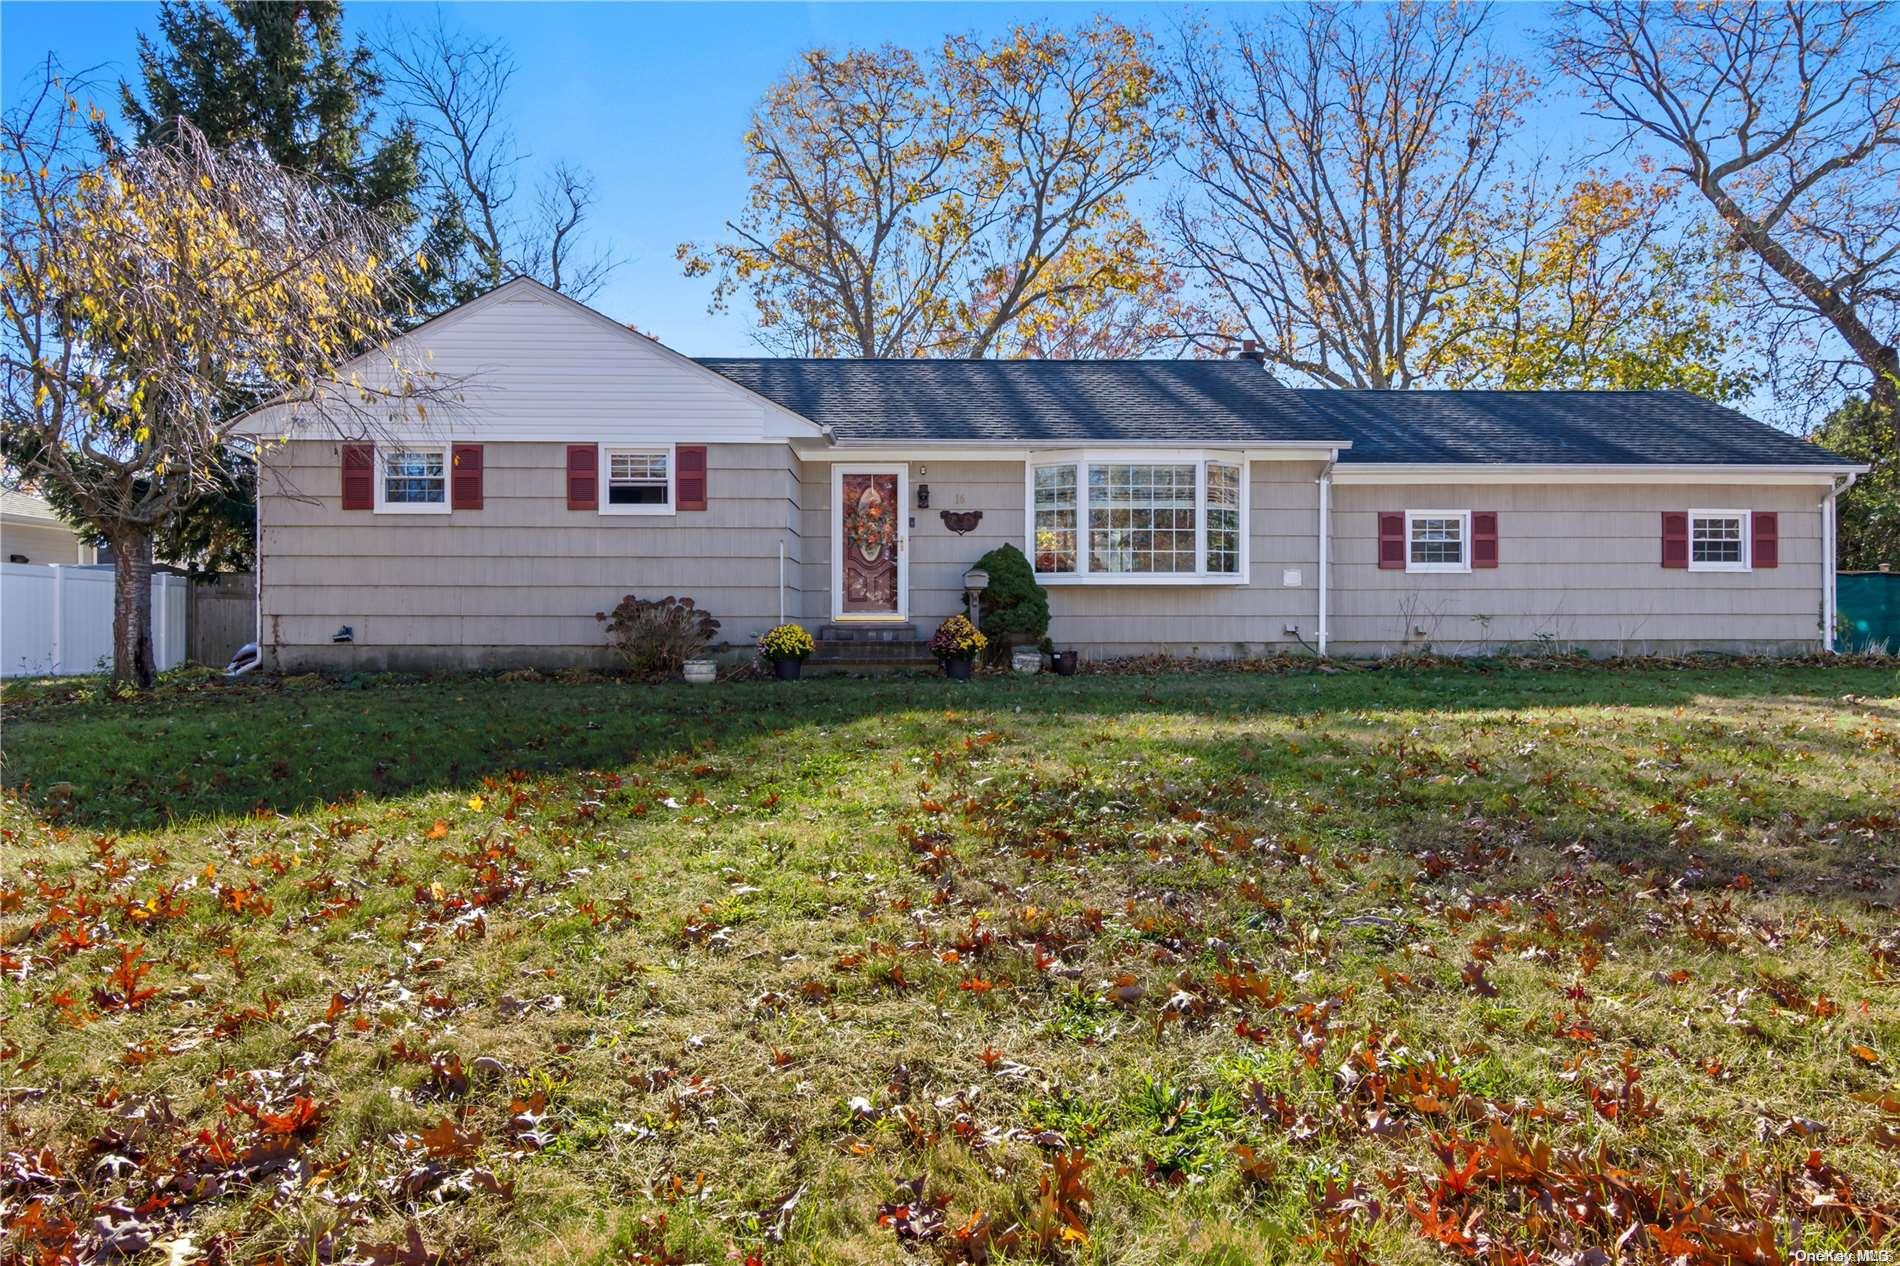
(1555, 428)
(1033, 401)
(1193, 401)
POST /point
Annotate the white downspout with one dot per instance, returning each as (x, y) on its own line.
(1830, 564)
(781, 580)
(1325, 542)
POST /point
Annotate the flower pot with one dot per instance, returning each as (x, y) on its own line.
(1026, 660)
(1065, 663)
(787, 669)
(701, 671)
(958, 669)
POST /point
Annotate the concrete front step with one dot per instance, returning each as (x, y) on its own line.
(880, 633)
(890, 654)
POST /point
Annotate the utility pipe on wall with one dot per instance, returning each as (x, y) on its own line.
(1325, 542)
(1830, 564)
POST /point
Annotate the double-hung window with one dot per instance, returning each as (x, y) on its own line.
(636, 480)
(1138, 518)
(413, 479)
(1438, 540)
(1718, 540)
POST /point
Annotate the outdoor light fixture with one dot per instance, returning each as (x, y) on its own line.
(975, 581)
(923, 496)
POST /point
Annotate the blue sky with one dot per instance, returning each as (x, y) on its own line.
(653, 99)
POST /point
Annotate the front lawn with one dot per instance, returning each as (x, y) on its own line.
(1570, 966)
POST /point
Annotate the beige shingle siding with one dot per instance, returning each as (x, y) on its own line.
(519, 580)
(467, 588)
(1580, 565)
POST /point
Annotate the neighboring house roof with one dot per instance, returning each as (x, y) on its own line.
(29, 508)
(1557, 428)
(1036, 401)
(1228, 401)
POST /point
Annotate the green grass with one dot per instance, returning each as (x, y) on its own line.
(1297, 962)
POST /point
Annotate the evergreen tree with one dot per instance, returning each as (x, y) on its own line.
(281, 79)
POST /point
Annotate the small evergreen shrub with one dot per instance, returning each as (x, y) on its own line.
(1014, 605)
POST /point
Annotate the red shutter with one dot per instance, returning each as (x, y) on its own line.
(1484, 538)
(359, 476)
(1766, 551)
(1675, 538)
(583, 477)
(1392, 540)
(465, 484)
(689, 477)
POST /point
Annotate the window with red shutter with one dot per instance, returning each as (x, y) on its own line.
(1766, 543)
(465, 479)
(1392, 540)
(689, 477)
(583, 477)
(359, 476)
(1484, 538)
(1675, 538)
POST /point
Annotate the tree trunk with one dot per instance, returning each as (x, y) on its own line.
(132, 661)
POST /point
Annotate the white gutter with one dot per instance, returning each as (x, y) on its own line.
(1830, 562)
(1325, 543)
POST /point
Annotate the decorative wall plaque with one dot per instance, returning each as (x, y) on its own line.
(962, 522)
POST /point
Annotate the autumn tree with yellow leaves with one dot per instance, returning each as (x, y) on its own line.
(148, 297)
(1593, 286)
(974, 202)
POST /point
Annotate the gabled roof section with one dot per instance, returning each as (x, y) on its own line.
(1036, 402)
(1616, 428)
(523, 357)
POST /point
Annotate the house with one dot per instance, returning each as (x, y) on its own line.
(30, 532)
(1192, 507)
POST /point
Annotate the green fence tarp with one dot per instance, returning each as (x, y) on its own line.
(1869, 607)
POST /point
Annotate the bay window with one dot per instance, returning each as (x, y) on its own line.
(1137, 518)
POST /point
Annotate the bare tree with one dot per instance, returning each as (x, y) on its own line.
(1339, 160)
(846, 246)
(454, 86)
(147, 297)
(1785, 117)
(910, 207)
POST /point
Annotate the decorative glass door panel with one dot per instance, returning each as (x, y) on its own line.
(869, 543)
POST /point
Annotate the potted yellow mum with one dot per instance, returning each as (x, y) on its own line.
(786, 647)
(956, 644)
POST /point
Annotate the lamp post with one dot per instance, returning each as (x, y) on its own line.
(975, 581)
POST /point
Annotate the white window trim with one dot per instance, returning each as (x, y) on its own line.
(1748, 539)
(606, 465)
(1082, 459)
(1464, 541)
(380, 473)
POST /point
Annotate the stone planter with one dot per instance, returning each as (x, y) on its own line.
(958, 669)
(1026, 660)
(787, 669)
(1065, 663)
(701, 672)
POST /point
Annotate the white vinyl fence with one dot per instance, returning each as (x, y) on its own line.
(57, 620)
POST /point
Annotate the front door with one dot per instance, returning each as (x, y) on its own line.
(870, 532)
